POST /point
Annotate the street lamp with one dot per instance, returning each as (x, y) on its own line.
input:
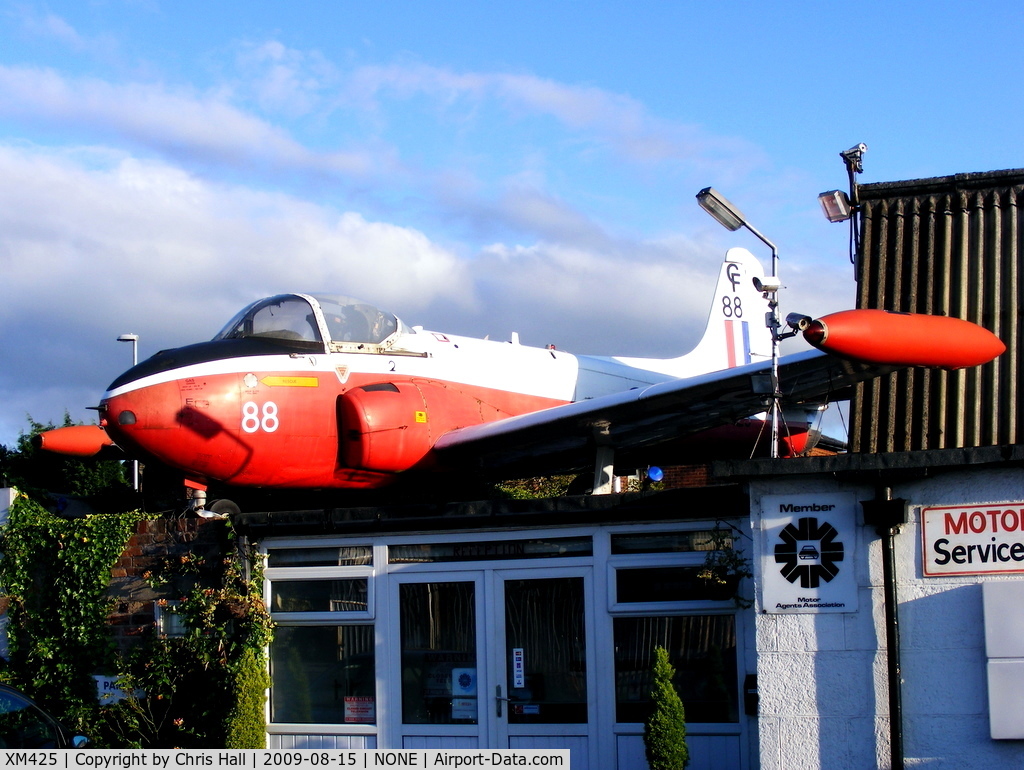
(731, 218)
(134, 339)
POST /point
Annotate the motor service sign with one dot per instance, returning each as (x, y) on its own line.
(973, 539)
(808, 563)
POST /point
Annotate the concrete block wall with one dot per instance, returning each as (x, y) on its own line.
(823, 677)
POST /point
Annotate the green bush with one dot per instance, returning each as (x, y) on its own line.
(246, 727)
(665, 729)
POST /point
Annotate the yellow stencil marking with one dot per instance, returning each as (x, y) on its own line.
(421, 416)
(280, 381)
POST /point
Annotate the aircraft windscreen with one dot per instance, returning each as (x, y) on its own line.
(352, 320)
(283, 317)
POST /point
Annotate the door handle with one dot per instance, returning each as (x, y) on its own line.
(498, 700)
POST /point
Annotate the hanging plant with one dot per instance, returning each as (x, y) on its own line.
(725, 568)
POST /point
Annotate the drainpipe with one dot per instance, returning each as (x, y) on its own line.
(886, 515)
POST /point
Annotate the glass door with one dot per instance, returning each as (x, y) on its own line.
(494, 659)
(544, 696)
(439, 661)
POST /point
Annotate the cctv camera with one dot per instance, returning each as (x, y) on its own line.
(798, 321)
(767, 284)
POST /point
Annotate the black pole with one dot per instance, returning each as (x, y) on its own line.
(886, 515)
(892, 646)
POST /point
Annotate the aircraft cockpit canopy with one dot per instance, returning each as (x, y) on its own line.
(352, 320)
(312, 320)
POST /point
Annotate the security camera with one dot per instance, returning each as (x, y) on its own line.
(767, 284)
(854, 157)
(798, 322)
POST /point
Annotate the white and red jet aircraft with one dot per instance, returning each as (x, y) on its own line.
(303, 391)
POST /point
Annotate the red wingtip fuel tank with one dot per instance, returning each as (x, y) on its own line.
(904, 339)
(75, 440)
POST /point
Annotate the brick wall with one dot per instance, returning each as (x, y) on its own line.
(677, 476)
(156, 545)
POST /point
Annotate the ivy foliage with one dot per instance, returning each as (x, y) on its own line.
(533, 488)
(54, 574)
(665, 730)
(205, 689)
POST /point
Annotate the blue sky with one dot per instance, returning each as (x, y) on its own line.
(477, 168)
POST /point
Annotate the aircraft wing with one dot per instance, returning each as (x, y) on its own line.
(645, 425)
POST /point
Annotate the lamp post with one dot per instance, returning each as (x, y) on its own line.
(731, 218)
(134, 339)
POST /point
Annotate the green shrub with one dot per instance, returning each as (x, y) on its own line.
(665, 729)
(246, 727)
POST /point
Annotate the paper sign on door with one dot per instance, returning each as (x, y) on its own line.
(518, 668)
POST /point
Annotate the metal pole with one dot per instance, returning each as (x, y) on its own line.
(135, 463)
(886, 515)
(892, 645)
(774, 324)
(134, 339)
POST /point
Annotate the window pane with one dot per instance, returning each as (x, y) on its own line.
(439, 676)
(668, 584)
(537, 548)
(289, 319)
(344, 556)
(545, 639)
(703, 650)
(670, 542)
(323, 674)
(319, 595)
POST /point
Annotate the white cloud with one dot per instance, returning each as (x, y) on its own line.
(205, 127)
(284, 79)
(46, 25)
(622, 122)
(650, 302)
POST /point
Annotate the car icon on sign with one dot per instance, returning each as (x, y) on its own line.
(809, 552)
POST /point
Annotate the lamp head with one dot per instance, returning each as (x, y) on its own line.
(721, 209)
(836, 205)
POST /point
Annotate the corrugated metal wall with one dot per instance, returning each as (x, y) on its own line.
(947, 246)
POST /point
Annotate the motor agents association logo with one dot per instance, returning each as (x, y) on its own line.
(809, 552)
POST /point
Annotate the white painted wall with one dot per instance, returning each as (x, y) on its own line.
(7, 495)
(823, 678)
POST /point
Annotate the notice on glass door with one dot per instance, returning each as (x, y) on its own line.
(518, 669)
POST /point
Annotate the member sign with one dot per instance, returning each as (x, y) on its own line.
(808, 553)
(973, 539)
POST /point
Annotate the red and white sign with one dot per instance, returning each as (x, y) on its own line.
(360, 709)
(973, 539)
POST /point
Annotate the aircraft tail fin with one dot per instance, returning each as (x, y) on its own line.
(736, 332)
